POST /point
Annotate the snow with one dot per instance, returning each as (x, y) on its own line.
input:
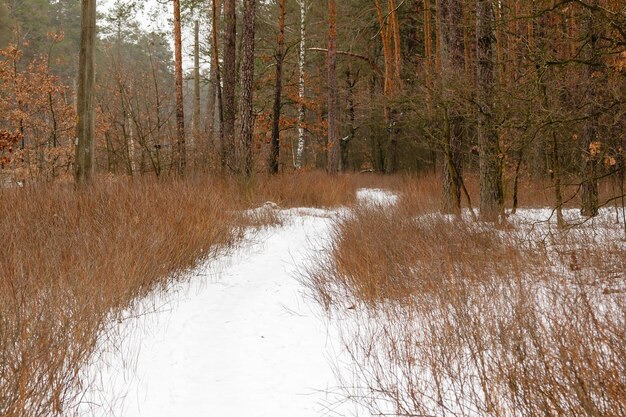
(239, 339)
(376, 196)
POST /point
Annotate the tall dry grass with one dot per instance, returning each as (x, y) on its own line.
(460, 318)
(72, 260)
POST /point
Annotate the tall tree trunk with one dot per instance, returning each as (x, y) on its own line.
(196, 88)
(591, 144)
(389, 30)
(211, 109)
(350, 84)
(85, 148)
(230, 79)
(428, 40)
(217, 84)
(333, 94)
(247, 85)
(452, 51)
(280, 52)
(397, 84)
(491, 194)
(181, 157)
(301, 86)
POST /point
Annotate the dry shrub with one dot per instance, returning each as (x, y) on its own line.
(305, 189)
(452, 317)
(73, 259)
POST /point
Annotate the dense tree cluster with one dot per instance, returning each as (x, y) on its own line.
(506, 90)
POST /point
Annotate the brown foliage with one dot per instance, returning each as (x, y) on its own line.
(34, 106)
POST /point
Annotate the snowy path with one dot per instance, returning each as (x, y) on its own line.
(243, 341)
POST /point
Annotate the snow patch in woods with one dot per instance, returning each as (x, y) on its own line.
(376, 196)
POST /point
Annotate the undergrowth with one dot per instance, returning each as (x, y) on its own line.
(450, 316)
(73, 260)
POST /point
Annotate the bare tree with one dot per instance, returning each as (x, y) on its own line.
(230, 79)
(280, 56)
(453, 63)
(181, 157)
(333, 95)
(591, 145)
(196, 86)
(247, 84)
(491, 195)
(85, 146)
(217, 85)
(301, 86)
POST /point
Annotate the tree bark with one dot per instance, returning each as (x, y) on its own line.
(452, 52)
(491, 194)
(181, 157)
(389, 30)
(274, 157)
(217, 84)
(196, 88)
(333, 95)
(591, 144)
(247, 85)
(85, 146)
(230, 79)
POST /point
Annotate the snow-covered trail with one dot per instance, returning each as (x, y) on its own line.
(244, 340)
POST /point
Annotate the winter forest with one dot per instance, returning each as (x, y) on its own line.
(313, 208)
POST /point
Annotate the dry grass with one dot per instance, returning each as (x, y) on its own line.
(71, 258)
(71, 261)
(460, 318)
(306, 189)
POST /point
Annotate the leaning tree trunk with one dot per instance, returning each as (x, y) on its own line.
(85, 148)
(491, 194)
(230, 79)
(181, 157)
(333, 96)
(453, 65)
(301, 86)
(280, 53)
(247, 85)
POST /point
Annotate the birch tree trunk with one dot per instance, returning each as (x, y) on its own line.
(333, 96)
(275, 142)
(85, 146)
(491, 194)
(247, 85)
(301, 86)
(181, 157)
